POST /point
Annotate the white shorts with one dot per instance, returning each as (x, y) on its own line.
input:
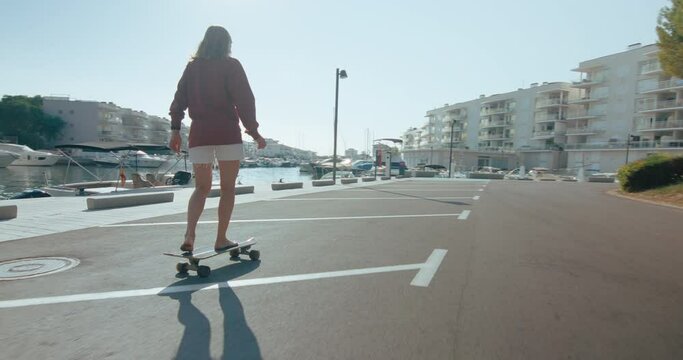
(206, 154)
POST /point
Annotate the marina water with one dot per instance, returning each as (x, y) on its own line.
(15, 179)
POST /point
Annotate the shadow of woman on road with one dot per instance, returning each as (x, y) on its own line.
(239, 341)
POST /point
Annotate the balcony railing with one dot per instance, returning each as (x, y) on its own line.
(583, 114)
(492, 124)
(549, 117)
(587, 82)
(660, 125)
(664, 85)
(583, 130)
(654, 104)
(551, 102)
(493, 111)
(494, 137)
(633, 145)
(650, 68)
(545, 133)
(585, 100)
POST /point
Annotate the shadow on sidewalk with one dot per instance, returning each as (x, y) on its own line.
(239, 341)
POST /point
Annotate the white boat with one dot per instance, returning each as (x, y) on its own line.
(135, 184)
(132, 159)
(7, 158)
(30, 157)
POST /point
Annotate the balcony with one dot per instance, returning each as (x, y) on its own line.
(545, 134)
(545, 103)
(654, 105)
(668, 125)
(666, 85)
(651, 68)
(583, 114)
(661, 144)
(585, 100)
(549, 118)
(494, 111)
(587, 83)
(495, 124)
(583, 130)
(494, 137)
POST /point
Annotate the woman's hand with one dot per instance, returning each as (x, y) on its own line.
(175, 141)
(261, 143)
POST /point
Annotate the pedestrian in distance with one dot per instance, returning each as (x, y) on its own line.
(215, 91)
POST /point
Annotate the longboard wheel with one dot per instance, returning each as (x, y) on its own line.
(254, 255)
(203, 271)
(234, 253)
(181, 268)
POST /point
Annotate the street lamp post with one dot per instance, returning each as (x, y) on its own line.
(339, 74)
(628, 144)
(450, 154)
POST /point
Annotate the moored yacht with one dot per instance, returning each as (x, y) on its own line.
(7, 158)
(28, 156)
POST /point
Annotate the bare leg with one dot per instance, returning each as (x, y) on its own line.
(203, 177)
(229, 170)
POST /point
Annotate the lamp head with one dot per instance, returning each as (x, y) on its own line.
(342, 74)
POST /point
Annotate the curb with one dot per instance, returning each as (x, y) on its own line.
(614, 192)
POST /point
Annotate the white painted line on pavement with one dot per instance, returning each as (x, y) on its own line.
(464, 215)
(426, 273)
(293, 219)
(402, 189)
(381, 198)
(422, 279)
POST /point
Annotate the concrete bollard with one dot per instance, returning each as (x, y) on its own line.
(368, 178)
(287, 186)
(116, 201)
(323, 182)
(239, 190)
(386, 177)
(349, 180)
(8, 212)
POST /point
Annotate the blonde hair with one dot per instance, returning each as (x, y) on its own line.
(215, 45)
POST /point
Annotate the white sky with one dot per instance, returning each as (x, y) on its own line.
(403, 57)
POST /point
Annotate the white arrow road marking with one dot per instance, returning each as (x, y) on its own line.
(298, 219)
(423, 278)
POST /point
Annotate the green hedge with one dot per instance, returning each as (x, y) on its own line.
(655, 171)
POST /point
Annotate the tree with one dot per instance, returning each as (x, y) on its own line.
(670, 33)
(23, 117)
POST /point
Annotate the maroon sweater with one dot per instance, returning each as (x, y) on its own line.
(217, 94)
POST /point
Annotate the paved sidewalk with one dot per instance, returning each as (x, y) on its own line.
(44, 216)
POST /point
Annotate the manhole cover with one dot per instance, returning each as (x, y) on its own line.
(28, 268)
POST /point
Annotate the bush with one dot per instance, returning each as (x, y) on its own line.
(652, 172)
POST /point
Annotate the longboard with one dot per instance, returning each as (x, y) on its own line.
(203, 253)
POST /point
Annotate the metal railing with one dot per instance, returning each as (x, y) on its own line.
(669, 124)
(633, 145)
(666, 84)
(551, 102)
(583, 130)
(655, 104)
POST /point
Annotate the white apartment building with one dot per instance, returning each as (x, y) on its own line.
(622, 105)
(101, 121)
(494, 130)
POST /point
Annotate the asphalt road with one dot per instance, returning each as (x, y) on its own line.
(530, 270)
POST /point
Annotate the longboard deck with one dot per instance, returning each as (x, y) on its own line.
(208, 251)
